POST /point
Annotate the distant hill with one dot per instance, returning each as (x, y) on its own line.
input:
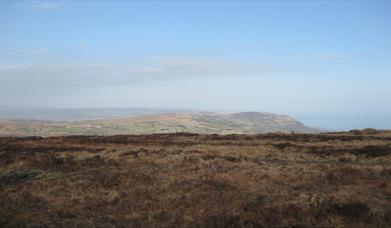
(203, 123)
(77, 114)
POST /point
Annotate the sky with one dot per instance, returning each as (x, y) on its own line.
(327, 63)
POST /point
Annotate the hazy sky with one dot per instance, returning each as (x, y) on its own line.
(301, 58)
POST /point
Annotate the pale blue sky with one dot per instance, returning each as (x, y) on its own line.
(312, 60)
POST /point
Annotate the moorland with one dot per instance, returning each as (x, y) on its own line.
(339, 179)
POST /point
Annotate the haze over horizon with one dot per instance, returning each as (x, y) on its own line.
(326, 63)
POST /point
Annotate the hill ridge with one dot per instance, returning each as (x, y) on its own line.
(197, 122)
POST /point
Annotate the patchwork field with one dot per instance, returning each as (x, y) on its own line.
(199, 123)
(190, 180)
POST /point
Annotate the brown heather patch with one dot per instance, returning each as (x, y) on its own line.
(190, 180)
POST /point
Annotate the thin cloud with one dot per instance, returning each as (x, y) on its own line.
(183, 66)
(252, 45)
(29, 51)
(32, 83)
(329, 56)
(47, 5)
(161, 69)
(84, 45)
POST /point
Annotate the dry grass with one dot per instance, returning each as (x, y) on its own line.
(190, 180)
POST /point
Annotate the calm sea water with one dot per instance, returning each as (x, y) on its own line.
(343, 122)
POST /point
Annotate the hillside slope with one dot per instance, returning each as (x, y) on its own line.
(203, 123)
